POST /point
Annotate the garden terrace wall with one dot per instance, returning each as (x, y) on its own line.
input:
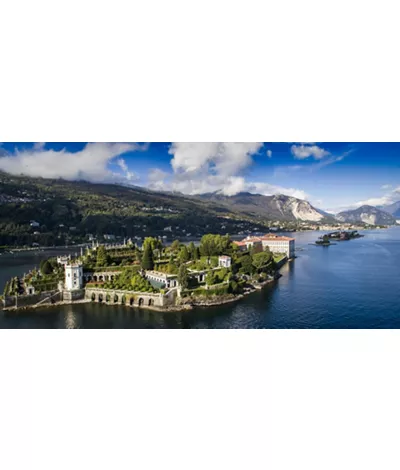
(129, 298)
(47, 298)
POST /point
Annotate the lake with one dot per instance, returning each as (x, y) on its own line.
(354, 284)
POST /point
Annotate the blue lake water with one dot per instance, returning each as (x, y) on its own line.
(354, 284)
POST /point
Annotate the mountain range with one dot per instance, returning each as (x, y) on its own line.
(393, 209)
(277, 207)
(368, 215)
(94, 208)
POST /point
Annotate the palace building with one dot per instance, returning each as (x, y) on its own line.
(275, 243)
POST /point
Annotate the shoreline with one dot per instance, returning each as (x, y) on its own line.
(203, 303)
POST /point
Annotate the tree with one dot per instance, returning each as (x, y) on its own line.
(207, 246)
(184, 255)
(261, 260)
(138, 256)
(154, 243)
(246, 264)
(172, 268)
(183, 279)
(148, 260)
(191, 250)
(102, 256)
(214, 245)
(210, 278)
(46, 268)
(175, 245)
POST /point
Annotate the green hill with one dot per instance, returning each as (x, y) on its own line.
(70, 210)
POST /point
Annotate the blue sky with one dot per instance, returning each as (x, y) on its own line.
(332, 176)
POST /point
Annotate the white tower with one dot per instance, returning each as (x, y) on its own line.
(73, 276)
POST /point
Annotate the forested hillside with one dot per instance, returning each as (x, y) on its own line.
(72, 210)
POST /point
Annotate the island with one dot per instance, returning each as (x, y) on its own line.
(154, 276)
(343, 235)
(323, 241)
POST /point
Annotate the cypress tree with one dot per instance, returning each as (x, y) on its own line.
(183, 277)
(46, 268)
(102, 257)
(148, 259)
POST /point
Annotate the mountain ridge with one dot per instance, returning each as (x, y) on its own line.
(368, 215)
(273, 207)
(278, 206)
(393, 209)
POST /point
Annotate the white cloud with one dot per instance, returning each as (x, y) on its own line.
(129, 175)
(210, 166)
(269, 153)
(156, 179)
(199, 168)
(302, 152)
(222, 158)
(386, 186)
(385, 200)
(228, 186)
(91, 163)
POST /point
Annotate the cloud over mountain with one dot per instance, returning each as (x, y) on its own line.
(205, 167)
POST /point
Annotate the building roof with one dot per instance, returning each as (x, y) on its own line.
(224, 257)
(240, 243)
(277, 238)
(268, 237)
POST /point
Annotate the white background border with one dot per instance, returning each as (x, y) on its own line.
(199, 71)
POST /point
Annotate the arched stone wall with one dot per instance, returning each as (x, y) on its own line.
(137, 299)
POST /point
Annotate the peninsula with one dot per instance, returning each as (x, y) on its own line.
(154, 276)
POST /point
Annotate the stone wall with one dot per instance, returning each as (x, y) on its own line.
(133, 299)
(46, 298)
(73, 295)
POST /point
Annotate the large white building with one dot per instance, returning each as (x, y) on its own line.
(276, 244)
(73, 276)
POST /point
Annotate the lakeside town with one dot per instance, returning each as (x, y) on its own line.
(172, 233)
(179, 276)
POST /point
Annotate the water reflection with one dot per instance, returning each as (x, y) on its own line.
(71, 321)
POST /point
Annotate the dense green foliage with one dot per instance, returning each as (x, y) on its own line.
(46, 268)
(213, 245)
(129, 279)
(262, 260)
(148, 260)
(183, 277)
(102, 257)
(68, 211)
